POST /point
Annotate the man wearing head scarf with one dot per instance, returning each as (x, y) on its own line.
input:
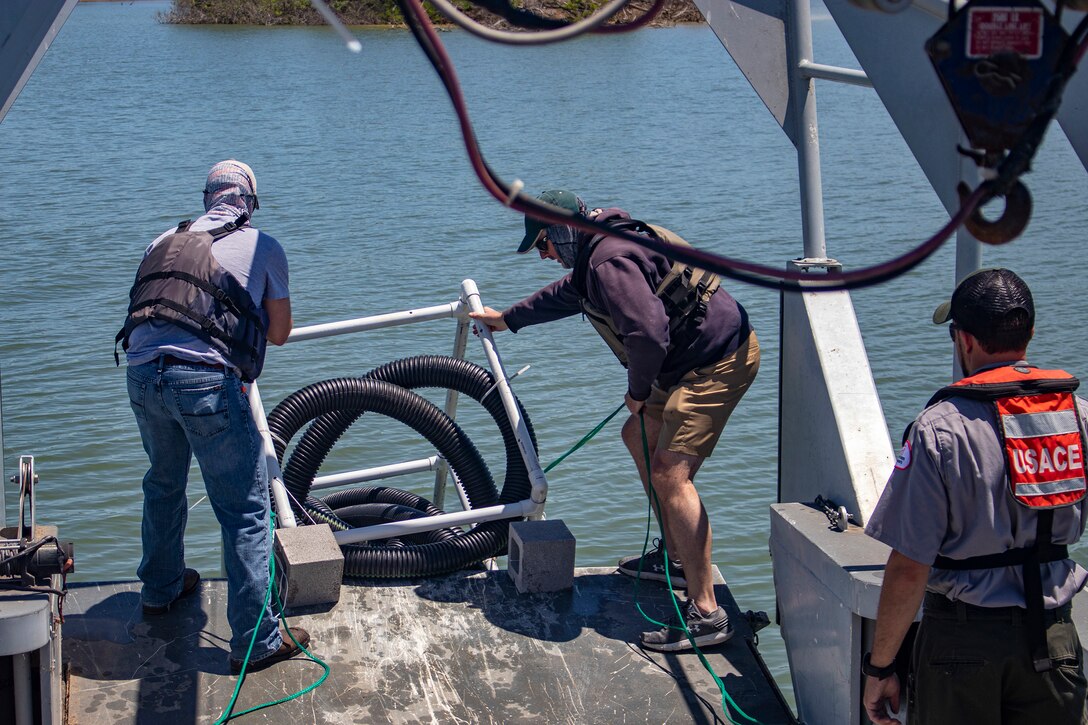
(190, 353)
(690, 355)
(986, 495)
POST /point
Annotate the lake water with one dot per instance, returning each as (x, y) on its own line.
(363, 178)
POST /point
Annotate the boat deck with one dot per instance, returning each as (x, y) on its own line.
(462, 648)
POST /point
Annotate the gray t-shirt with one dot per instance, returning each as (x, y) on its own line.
(255, 259)
(948, 495)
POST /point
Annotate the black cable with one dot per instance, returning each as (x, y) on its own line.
(13, 587)
(33, 588)
(1018, 160)
(1082, 31)
(756, 274)
(29, 550)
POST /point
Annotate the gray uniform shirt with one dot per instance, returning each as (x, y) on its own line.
(254, 258)
(948, 495)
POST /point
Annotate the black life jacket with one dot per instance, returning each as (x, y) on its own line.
(180, 281)
(1042, 437)
(684, 291)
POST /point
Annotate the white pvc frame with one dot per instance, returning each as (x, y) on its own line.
(532, 508)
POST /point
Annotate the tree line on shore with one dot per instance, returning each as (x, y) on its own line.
(386, 12)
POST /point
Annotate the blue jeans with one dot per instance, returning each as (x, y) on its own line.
(184, 410)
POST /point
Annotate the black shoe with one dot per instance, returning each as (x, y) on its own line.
(653, 567)
(189, 582)
(706, 630)
(287, 650)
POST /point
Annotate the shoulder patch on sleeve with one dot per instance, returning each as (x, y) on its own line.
(903, 460)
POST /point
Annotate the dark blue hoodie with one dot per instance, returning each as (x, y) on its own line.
(621, 280)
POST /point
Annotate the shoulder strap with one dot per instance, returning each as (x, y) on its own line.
(1033, 591)
(200, 325)
(219, 232)
(992, 391)
(706, 283)
(222, 297)
(229, 227)
(1029, 559)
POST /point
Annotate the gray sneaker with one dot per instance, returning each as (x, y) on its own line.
(652, 566)
(706, 630)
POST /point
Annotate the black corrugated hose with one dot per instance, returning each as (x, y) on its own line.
(333, 405)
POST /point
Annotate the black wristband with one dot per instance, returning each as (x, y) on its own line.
(869, 669)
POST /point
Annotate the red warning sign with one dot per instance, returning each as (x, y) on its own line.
(994, 30)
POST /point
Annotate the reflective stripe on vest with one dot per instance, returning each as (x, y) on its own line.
(1042, 442)
(1041, 433)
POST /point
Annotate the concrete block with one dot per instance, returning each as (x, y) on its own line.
(309, 566)
(541, 557)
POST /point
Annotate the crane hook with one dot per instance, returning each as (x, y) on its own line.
(1011, 223)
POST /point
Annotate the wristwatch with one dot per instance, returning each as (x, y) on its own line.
(869, 669)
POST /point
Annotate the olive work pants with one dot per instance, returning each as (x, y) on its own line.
(973, 665)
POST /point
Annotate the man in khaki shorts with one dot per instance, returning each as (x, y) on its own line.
(690, 355)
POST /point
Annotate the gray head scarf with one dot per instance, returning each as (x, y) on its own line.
(231, 183)
(565, 240)
(565, 237)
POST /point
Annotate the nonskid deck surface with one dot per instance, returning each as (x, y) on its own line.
(463, 648)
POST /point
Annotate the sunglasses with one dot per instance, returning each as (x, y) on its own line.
(541, 243)
(952, 328)
(256, 202)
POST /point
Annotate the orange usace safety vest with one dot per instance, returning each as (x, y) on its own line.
(1040, 429)
(1043, 440)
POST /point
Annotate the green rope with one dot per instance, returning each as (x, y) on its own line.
(585, 438)
(653, 505)
(228, 714)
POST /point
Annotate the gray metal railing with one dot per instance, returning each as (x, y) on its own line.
(533, 507)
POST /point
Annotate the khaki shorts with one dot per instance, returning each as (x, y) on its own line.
(694, 412)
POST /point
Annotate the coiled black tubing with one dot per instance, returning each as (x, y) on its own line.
(332, 406)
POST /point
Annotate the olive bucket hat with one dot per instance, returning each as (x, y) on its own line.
(555, 197)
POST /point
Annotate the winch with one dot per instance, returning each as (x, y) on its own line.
(33, 566)
(30, 554)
